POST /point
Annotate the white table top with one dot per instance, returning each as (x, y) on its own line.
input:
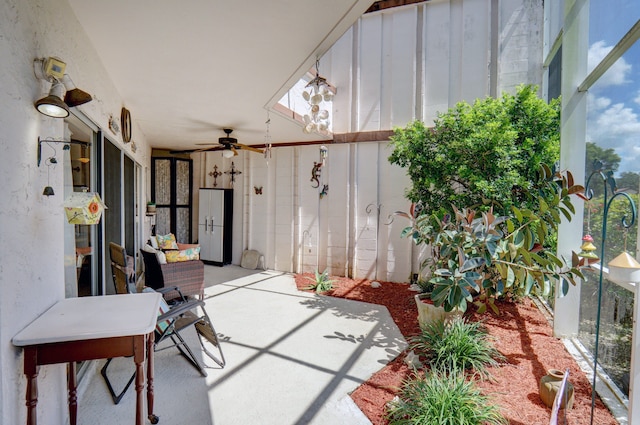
(84, 318)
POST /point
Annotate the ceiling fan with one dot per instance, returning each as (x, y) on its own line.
(227, 144)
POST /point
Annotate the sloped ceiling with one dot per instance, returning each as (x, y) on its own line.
(186, 69)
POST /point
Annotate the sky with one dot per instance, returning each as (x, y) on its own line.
(613, 119)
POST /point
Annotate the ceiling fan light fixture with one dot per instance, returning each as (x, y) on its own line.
(228, 153)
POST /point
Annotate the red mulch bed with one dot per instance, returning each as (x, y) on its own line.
(522, 334)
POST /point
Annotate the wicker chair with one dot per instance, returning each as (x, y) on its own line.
(186, 275)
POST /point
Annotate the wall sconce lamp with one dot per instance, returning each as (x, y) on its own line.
(52, 105)
(52, 70)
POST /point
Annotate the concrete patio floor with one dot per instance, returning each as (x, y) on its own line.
(292, 358)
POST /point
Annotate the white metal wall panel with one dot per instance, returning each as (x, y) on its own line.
(521, 45)
(400, 86)
(366, 226)
(395, 261)
(369, 73)
(436, 56)
(343, 68)
(283, 167)
(455, 46)
(475, 49)
(308, 209)
(259, 229)
(337, 208)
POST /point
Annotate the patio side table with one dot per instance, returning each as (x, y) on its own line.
(89, 328)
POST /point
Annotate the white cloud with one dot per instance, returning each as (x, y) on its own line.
(610, 123)
(614, 125)
(616, 74)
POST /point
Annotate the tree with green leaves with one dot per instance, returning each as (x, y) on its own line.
(491, 199)
(478, 155)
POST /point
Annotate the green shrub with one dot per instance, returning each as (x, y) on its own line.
(456, 345)
(442, 398)
(481, 154)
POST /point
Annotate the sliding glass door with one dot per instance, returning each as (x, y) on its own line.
(82, 250)
(120, 197)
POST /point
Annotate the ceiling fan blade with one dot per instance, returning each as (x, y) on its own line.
(248, 148)
(213, 148)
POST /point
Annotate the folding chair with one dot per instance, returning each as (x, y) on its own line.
(172, 319)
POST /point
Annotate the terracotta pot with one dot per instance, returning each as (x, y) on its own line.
(429, 313)
(549, 387)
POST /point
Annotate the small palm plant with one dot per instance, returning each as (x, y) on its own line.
(457, 345)
(443, 398)
(321, 282)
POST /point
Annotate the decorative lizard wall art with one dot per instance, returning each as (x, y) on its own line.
(315, 174)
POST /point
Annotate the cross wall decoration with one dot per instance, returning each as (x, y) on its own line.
(233, 172)
(215, 174)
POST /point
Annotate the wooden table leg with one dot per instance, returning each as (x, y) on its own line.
(139, 348)
(31, 370)
(72, 385)
(150, 366)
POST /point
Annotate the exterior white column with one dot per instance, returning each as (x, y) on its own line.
(575, 45)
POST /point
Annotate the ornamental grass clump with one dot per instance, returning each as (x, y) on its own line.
(457, 345)
(442, 398)
(321, 282)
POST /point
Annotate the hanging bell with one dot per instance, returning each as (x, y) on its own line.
(587, 249)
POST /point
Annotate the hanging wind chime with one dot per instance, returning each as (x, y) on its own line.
(587, 249)
(316, 93)
(267, 141)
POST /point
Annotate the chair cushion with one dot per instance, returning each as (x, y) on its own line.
(167, 241)
(183, 246)
(162, 309)
(162, 258)
(184, 255)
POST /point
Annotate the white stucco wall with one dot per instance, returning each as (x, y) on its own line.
(31, 225)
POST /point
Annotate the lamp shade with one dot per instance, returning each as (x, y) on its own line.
(84, 208)
(624, 268)
(52, 105)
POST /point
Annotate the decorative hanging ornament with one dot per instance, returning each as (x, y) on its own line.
(267, 141)
(587, 250)
(316, 94)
